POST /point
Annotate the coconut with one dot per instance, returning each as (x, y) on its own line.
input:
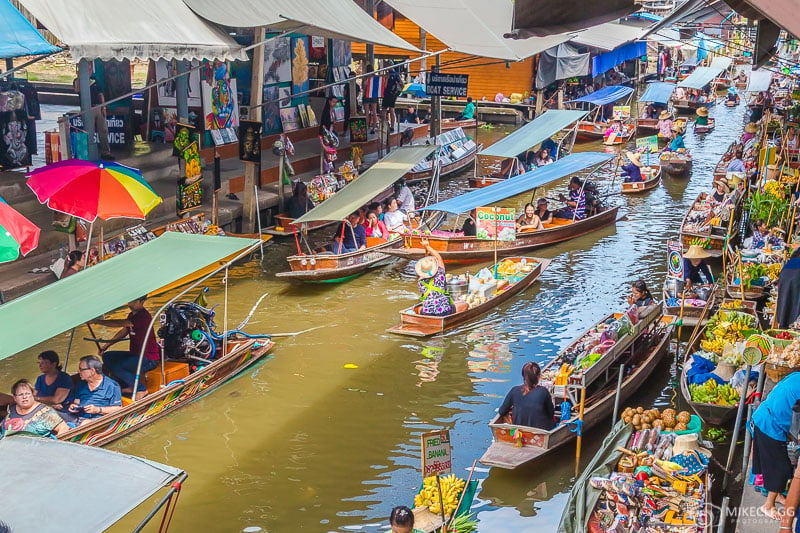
(680, 426)
(684, 417)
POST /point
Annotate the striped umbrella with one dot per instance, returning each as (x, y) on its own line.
(18, 235)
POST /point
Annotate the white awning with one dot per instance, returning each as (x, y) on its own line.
(759, 81)
(609, 35)
(474, 27)
(133, 29)
(334, 19)
(721, 62)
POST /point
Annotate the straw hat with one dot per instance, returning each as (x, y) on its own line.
(702, 111)
(677, 128)
(688, 443)
(426, 267)
(696, 252)
(751, 128)
(664, 115)
(724, 183)
(634, 157)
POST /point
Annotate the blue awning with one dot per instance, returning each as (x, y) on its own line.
(533, 133)
(606, 95)
(487, 196)
(18, 37)
(602, 63)
(658, 92)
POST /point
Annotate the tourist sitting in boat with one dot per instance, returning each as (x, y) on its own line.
(750, 131)
(632, 171)
(737, 163)
(299, 204)
(123, 364)
(394, 218)
(529, 220)
(615, 129)
(378, 208)
(732, 95)
(411, 116)
(544, 214)
(650, 112)
(96, 395)
(640, 295)
(53, 386)
(29, 417)
(73, 263)
(677, 139)
(530, 404)
(576, 202)
(551, 146)
(665, 124)
(375, 227)
(432, 284)
(702, 116)
(469, 110)
(405, 198)
(695, 269)
(468, 228)
(543, 158)
(401, 520)
(350, 235)
(721, 191)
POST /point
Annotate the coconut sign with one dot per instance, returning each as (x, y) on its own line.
(496, 224)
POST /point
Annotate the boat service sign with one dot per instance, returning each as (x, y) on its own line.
(496, 224)
(447, 84)
(437, 455)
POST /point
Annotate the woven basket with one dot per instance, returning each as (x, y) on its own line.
(777, 372)
(781, 343)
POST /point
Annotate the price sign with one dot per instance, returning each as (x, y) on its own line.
(647, 144)
(437, 454)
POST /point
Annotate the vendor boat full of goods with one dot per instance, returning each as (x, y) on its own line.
(704, 225)
(690, 306)
(586, 371)
(652, 177)
(752, 272)
(456, 152)
(195, 358)
(455, 247)
(484, 291)
(676, 164)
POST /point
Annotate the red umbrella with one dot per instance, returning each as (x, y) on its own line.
(17, 233)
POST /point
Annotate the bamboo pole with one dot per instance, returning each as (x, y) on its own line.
(463, 492)
(578, 443)
(741, 275)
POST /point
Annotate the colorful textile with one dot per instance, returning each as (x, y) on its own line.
(373, 87)
(433, 293)
(40, 422)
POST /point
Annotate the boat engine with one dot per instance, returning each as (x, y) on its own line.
(187, 331)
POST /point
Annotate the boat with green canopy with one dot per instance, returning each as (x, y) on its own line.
(320, 264)
(500, 160)
(194, 359)
(455, 247)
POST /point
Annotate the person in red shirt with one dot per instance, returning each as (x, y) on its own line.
(123, 364)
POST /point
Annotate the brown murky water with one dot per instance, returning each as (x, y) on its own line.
(301, 443)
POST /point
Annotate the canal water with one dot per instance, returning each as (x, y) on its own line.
(302, 443)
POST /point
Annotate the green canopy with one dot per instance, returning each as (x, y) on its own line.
(533, 133)
(60, 306)
(369, 184)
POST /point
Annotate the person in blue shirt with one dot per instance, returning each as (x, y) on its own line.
(469, 110)
(632, 171)
(350, 236)
(96, 395)
(771, 422)
(54, 386)
(736, 164)
(677, 140)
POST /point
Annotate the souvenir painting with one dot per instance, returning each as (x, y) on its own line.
(300, 68)
(290, 119)
(271, 113)
(220, 106)
(250, 141)
(277, 60)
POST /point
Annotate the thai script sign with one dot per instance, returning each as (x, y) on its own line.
(437, 454)
(449, 84)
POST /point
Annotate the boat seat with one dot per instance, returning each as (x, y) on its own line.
(559, 222)
(374, 241)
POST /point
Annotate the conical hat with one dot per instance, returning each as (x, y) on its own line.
(634, 157)
(702, 112)
(664, 115)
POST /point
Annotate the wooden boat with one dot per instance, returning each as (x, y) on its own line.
(733, 287)
(647, 126)
(698, 228)
(452, 123)
(685, 106)
(615, 140)
(595, 131)
(741, 85)
(514, 445)
(722, 83)
(333, 268)
(459, 249)
(676, 164)
(707, 128)
(456, 152)
(652, 177)
(240, 355)
(417, 325)
(449, 167)
(732, 103)
(692, 307)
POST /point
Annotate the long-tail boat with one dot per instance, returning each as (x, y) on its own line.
(316, 265)
(455, 247)
(499, 161)
(657, 92)
(456, 152)
(512, 275)
(142, 270)
(640, 349)
(652, 177)
(697, 80)
(594, 128)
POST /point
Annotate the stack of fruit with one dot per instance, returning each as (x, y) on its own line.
(726, 327)
(452, 487)
(712, 392)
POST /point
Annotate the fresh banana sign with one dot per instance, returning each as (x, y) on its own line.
(437, 455)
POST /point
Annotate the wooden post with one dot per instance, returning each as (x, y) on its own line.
(86, 105)
(252, 177)
(539, 101)
(281, 191)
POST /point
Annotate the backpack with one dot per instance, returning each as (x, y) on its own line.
(394, 85)
(592, 194)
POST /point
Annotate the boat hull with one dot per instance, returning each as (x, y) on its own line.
(639, 187)
(447, 170)
(338, 267)
(707, 128)
(677, 167)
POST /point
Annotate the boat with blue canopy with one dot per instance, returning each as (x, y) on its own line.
(502, 159)
(596, 128)
(455, 247)
(658, 94)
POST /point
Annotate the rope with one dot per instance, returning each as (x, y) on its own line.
(253, 310)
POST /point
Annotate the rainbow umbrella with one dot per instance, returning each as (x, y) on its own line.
(17, 233)
(93, 189)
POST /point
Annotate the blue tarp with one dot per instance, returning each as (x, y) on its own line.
(487, 196)
(606, 95)
(18, 37)
(602, 63)
(658, 92)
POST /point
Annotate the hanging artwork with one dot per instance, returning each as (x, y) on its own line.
(191, 156)
(220, 106)
(116, 81)
(340, 54)
(250, 141)
(285, 95)
(167, 90)
(290, 119)
(13, 131)
(184, 136)
(277, 60)
(271, 113)
(190, 187)
(300, 69)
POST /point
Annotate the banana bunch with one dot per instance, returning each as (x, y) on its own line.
(732, 304)
(429, 495)
(774, 270)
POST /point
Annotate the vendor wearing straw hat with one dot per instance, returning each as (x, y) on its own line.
(632, 171)
(702, 116)
(749, 132)
(665, 124)
(432, 284)
(721, 190)
(677, 139)
(695, 268)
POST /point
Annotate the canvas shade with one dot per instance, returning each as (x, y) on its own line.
(559, 63)
(701, 77)
(474, 27)
(658, 92)
(86, 502)
(74, 300)
(721, 62)
(760, 80)
(133, 29)
(606, 95)
(547, 17)
(335, 19)
(18, 37)
(369, 184)
(608, 36)
(533, 133)
(538, 177)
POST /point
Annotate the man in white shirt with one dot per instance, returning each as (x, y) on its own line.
(405, 198)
